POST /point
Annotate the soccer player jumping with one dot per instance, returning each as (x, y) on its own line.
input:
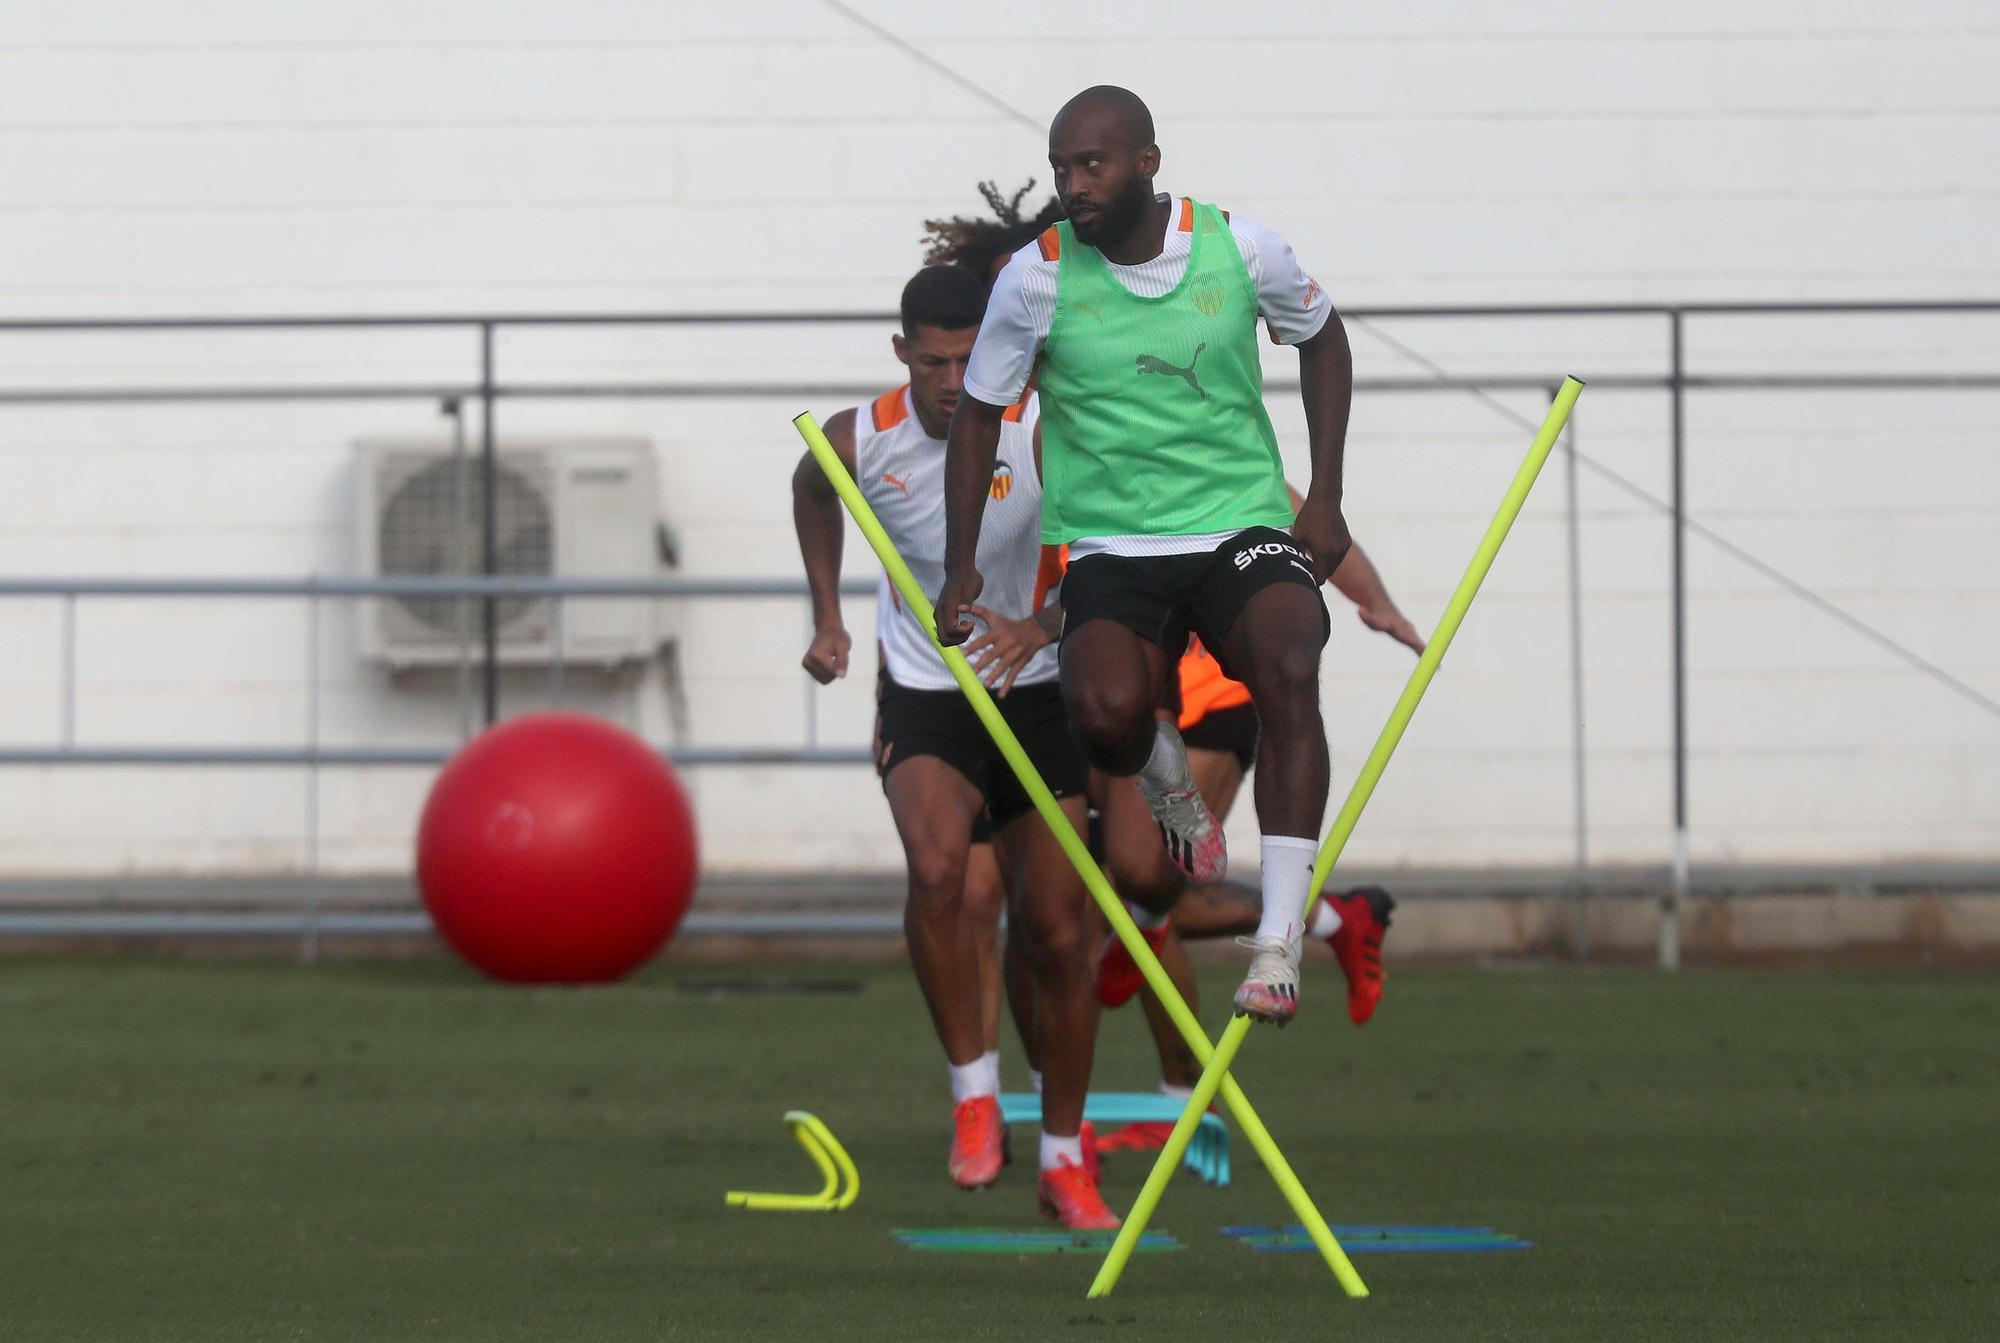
(1161, 473)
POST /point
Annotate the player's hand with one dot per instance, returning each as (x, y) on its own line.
(954, 605)
(1322, 533)
(1393, 623)
(827, 658)
(1007, 646)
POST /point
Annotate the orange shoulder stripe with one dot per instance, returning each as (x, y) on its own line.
(1051, 242)
(1187, 214)
(1014, 412)
(890, 409)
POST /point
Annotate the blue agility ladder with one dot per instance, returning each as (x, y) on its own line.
(1207, 1153)
(1380, 1239)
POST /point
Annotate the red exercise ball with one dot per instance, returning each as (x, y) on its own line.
(557, 848)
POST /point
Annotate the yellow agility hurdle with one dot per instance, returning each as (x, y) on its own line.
(1072, 844)
(1357, 797)
(843, 1181)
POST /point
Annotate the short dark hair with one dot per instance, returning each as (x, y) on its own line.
(977, 243)
(950, 298)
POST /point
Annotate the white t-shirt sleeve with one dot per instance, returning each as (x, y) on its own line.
(1290, 301)
(1018, 315)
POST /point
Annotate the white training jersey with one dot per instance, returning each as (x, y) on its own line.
(1023, 306)
(900, 469)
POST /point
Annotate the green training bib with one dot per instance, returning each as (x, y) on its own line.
(1153, 416)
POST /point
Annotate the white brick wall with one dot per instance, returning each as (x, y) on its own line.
(226, 157)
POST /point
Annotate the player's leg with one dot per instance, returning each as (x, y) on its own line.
(1144, 877)
(1354, 923)
(934, 804)
(1019, 976)
(985, 901)
(1050, 911)
(1125, 625)
(1263, 615)
(1151, 884)
(1111, 679)
(1154, 888)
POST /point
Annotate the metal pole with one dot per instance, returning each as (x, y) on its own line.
(489, 543)
(556, 663)
(461, 524)
(69, 670)
(812, 700)
(1580, 925)
(309, 950)
(1670, 907)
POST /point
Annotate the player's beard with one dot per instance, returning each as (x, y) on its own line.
(1114, 220)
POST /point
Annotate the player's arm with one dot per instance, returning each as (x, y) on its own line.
(1298, 312)
(1360, 582)
(968, 478)
(822, 534)
(1010, 336)
(1326, 382)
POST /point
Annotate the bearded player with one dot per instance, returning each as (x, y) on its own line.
(1162, 475)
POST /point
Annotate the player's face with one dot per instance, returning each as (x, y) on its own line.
(1103, 180)
(936, 360)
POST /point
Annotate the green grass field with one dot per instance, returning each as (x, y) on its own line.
(389, 1151)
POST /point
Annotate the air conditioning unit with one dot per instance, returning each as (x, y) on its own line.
(570, 509)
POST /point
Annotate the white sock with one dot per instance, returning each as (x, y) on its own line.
(1146, 918)
(1288, 865)
(1324, 921)
(1054, 1149)
(1035, 1080)
(1166, 769)
(981, 1077)
(1177, 1093)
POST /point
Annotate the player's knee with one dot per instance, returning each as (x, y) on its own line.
(1287, 680)
(1055, 944)
(1143, 874)
(937, 883)
(1111, 718)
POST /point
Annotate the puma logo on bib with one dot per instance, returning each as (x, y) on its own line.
(1150, 363)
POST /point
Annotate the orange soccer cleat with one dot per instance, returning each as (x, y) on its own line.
(978, 1142)
(1070, 1196)
(1118, 976)
(1145, 1135)
(1357, 943)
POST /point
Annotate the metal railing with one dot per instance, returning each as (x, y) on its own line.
(311, 753)
(485, 388)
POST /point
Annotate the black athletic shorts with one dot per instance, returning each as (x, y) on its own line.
(1232, 729)
(1164, 597)
(941, 723)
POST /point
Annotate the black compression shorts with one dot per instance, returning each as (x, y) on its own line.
(1164, 597)
(941, 723)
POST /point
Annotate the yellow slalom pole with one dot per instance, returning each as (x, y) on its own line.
(1343, 826)
(1156, 1181)
(1454, 616)
(1072, 844)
